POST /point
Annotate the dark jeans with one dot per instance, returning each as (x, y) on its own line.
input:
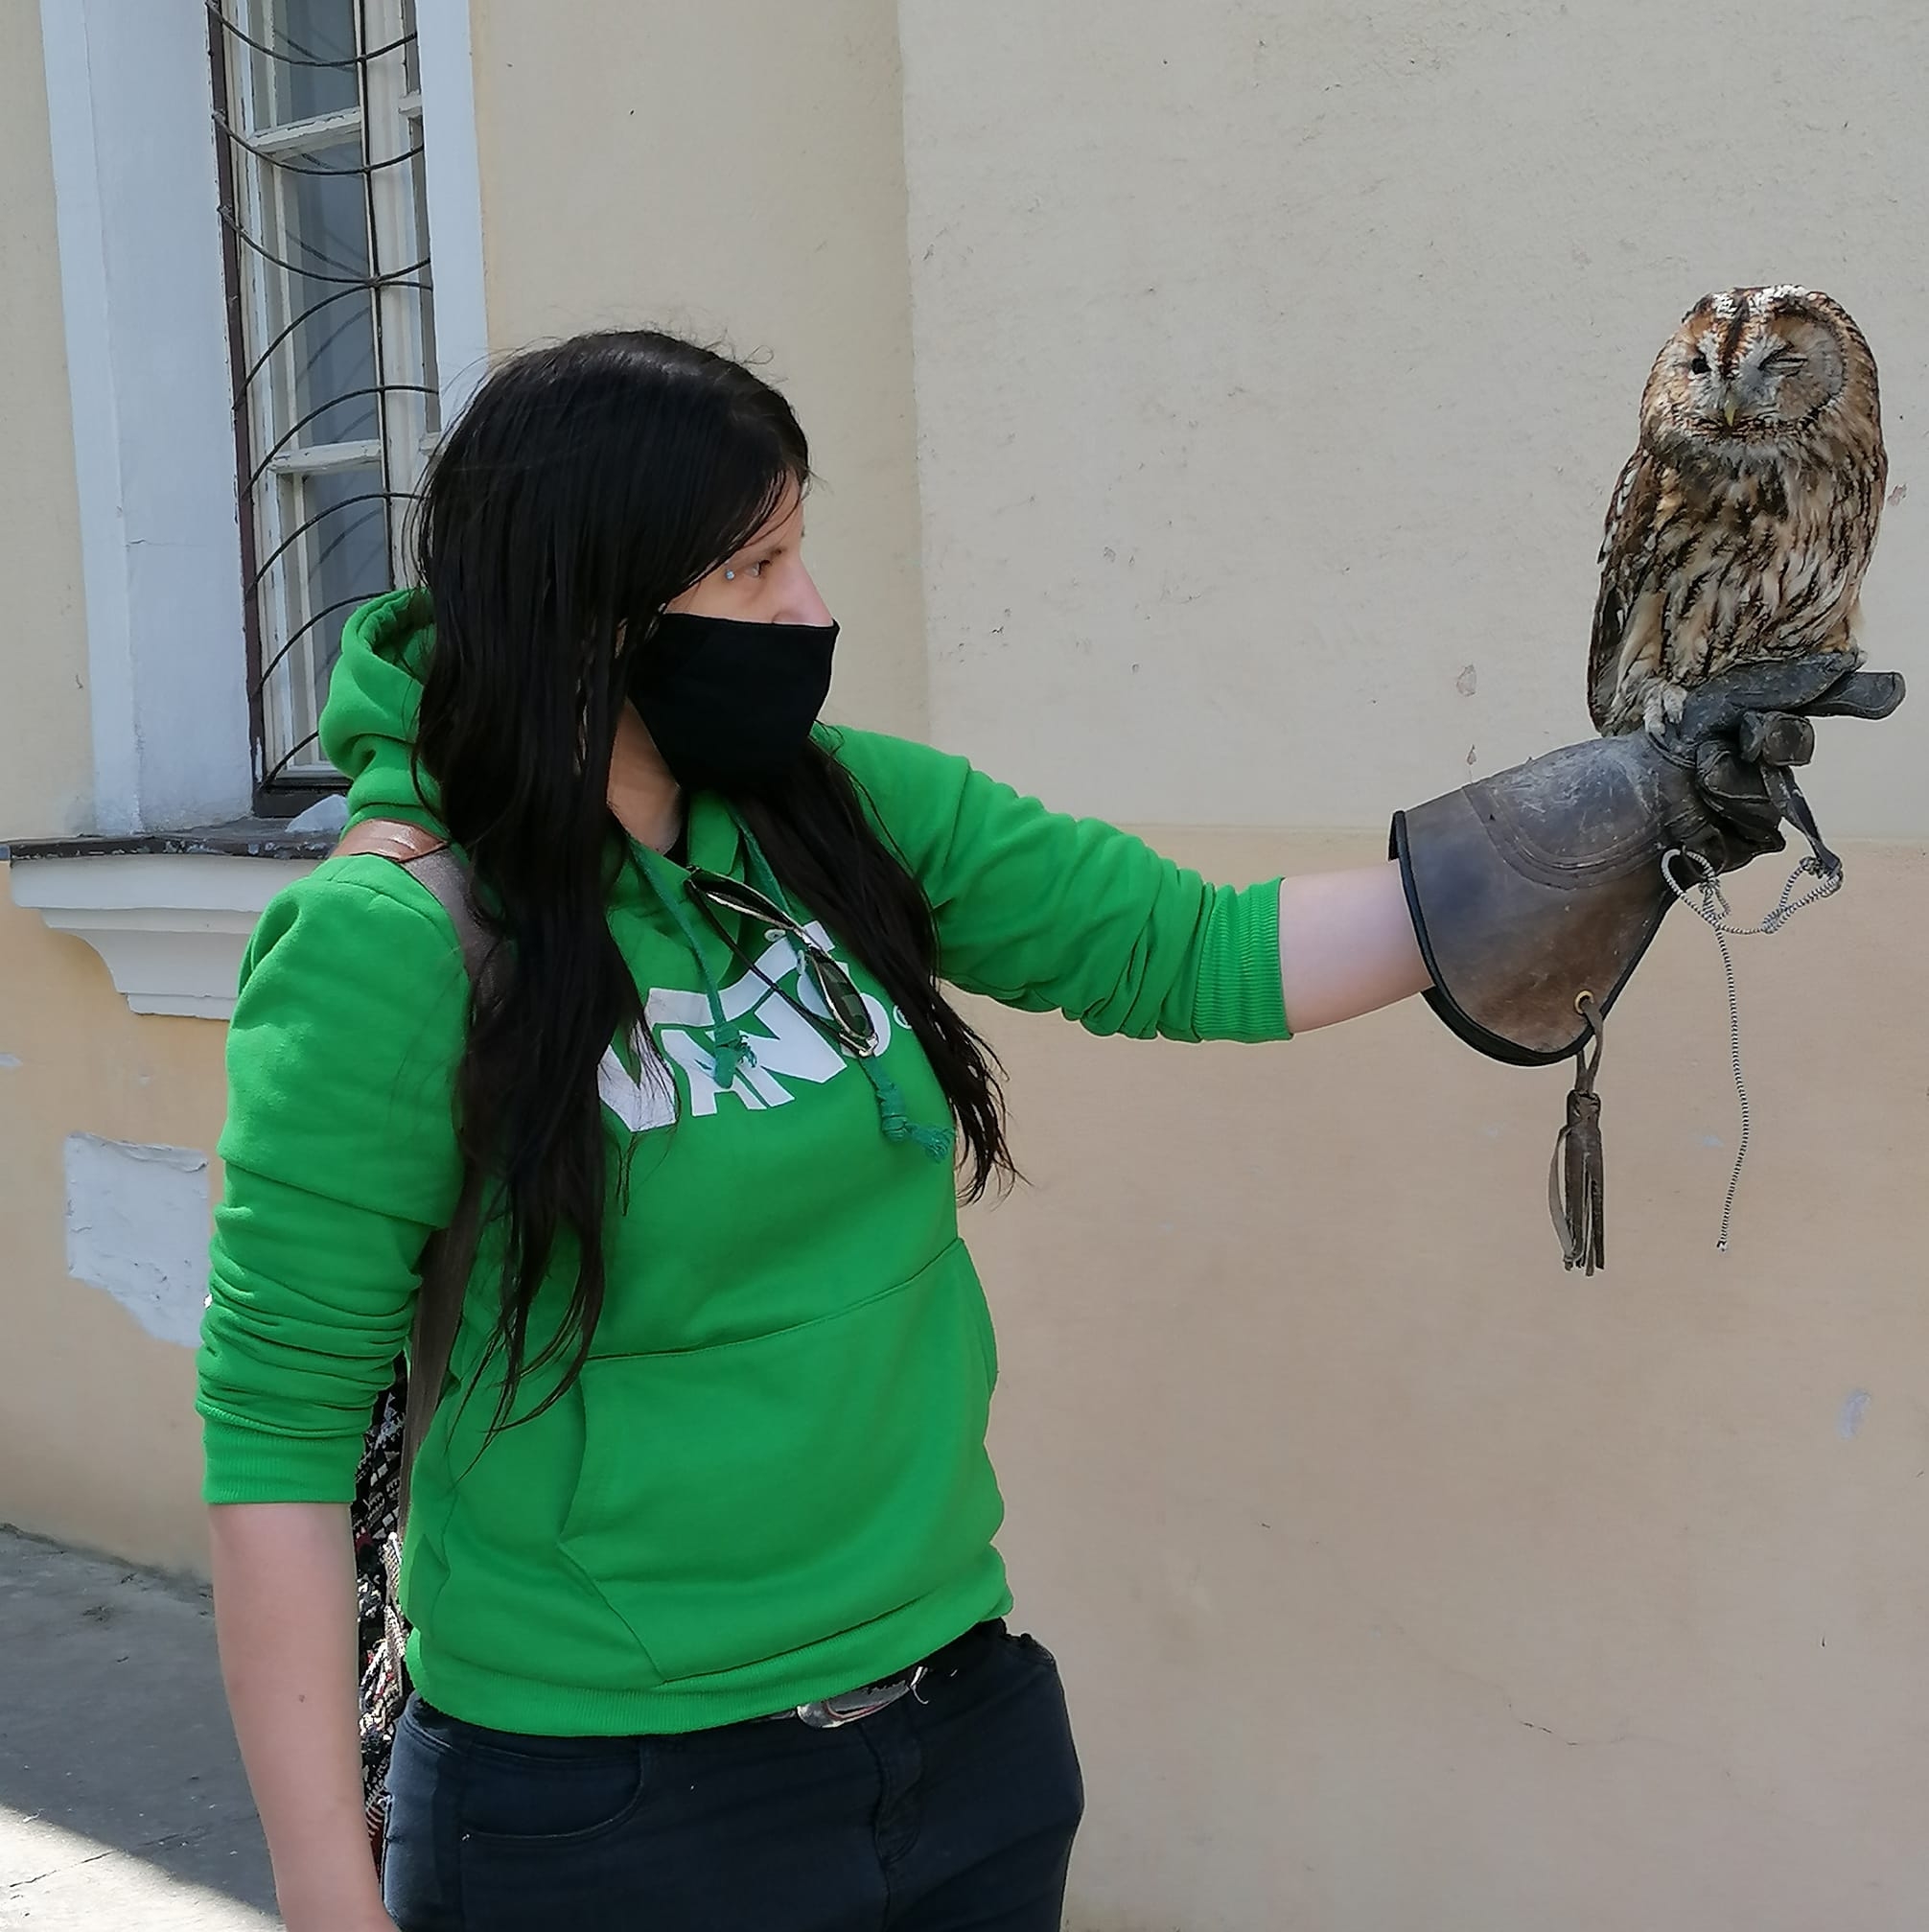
(949, 1811)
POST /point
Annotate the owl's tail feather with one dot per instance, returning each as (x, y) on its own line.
(1577, 1173)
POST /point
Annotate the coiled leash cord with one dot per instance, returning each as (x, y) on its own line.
(1709, 903)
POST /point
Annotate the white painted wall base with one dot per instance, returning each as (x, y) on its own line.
(170, 927)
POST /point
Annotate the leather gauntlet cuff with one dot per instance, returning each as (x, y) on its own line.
(1543, 883)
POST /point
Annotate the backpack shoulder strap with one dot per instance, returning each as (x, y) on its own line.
(432, 861)
(451, 1253)
(388, 839)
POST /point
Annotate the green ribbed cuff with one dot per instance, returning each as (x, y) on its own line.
(1240, 997)
(246, 1465)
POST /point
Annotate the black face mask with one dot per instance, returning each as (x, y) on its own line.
(730, 705)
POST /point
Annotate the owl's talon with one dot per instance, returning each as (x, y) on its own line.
(1661, 706)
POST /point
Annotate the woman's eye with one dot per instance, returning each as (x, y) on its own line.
(1699, 367)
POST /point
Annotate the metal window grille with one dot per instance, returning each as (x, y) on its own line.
(318, 134)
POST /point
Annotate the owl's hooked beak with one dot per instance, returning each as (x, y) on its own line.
(1731, 407)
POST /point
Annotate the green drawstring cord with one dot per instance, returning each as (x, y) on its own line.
(731, 1049)
(935, 1142)
(728, 1057)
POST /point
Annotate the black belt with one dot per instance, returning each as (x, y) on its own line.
(832, 1713)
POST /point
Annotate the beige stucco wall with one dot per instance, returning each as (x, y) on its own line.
(1275, 364)
(734, 171)
(1399, 1579)
(99, 1442)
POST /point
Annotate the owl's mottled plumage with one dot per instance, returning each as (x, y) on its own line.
(1743, 522)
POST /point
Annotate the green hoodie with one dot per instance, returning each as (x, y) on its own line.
(770, 1483)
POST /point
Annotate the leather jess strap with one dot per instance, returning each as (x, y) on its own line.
(426, 856)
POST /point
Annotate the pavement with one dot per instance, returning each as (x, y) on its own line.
(123, 1803)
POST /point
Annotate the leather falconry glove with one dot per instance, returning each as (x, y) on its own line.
(1535, 893)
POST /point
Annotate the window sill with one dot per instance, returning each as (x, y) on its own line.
(170, 914)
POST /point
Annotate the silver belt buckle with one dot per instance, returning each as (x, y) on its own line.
(833, 1714)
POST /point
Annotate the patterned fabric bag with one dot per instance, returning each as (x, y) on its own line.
(380, 1633)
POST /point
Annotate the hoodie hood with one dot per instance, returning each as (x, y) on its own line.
(368, 724)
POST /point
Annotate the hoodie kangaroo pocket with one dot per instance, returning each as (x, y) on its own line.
(740, 1503)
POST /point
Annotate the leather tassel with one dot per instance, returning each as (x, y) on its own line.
(1577, 1171)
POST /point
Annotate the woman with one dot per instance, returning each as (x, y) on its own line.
(707, 1610)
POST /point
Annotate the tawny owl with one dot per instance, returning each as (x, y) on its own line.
(1743, 522)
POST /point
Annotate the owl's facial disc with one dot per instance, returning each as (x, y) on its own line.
(1749, 368)
(1763, 373)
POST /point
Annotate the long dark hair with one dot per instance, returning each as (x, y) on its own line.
(586, 485)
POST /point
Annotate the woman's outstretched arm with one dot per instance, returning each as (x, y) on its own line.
(1346, 944)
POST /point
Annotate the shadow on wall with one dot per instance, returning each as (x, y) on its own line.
(122, 1796)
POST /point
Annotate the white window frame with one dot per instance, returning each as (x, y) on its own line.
(130, 116)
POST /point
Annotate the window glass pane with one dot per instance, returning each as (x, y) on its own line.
(319, 224)
(339, 559)
(335, 302)
(294, 81)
